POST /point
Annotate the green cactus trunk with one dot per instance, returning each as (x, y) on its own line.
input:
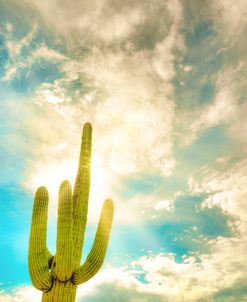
(58, 276)
(61, 291)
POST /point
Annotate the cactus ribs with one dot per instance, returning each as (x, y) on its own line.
(58, 276)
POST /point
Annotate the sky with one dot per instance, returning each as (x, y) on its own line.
(163, 84)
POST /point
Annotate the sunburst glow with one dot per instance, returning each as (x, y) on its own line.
(52, 175)
(163, 84)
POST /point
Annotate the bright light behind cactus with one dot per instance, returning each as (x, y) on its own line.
(54, 173)
(58, 275)
(163, 84)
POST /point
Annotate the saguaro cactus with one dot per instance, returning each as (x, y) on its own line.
(58, 276)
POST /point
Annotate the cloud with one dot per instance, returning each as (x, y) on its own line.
(213, 92)
(226, 188)
(164, 205)
(10, 73)
(117, 70)
(15, 46)
(194, 280)
(227, 108)
(22, 293)
(230, 18)
(52, 93)
(108, 22)
(158, 277)
(44, 52)
(126, 92)
(26, 52)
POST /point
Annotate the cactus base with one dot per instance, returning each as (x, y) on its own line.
(60, 292)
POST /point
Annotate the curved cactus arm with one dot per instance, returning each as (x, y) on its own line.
(96, 256)
(81, 193)
(37, 254)
(64, 269)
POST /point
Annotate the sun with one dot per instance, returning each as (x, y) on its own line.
(53, 173)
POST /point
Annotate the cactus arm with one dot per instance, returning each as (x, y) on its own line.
(58, 276)
(96, 256)
(64, 269)
(37, 254)
(81, 193)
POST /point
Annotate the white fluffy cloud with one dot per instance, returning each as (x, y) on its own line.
(107, 22)
(226, 188)
(196, 278)
(230, 18)
(128, 98)
(17, 62)
(228, 21)
(22, 293)
(128, 93)
(228, 105)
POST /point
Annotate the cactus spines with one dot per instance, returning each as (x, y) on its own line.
(64, 265)
(58, 276)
